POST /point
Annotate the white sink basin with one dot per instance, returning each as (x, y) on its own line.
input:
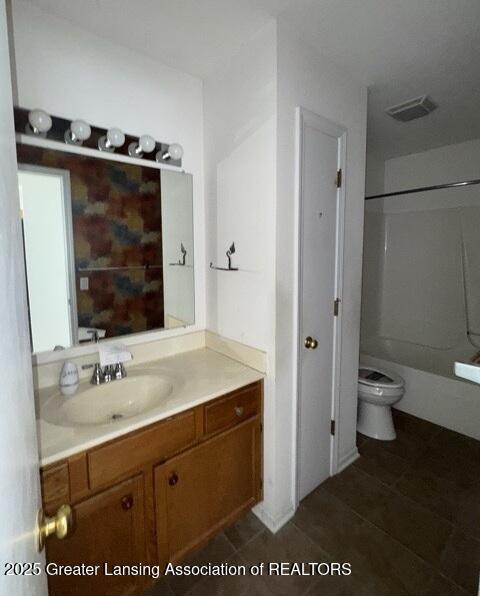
(94, 405)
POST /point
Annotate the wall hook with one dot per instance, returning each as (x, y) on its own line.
(229, 254)
(181, 262)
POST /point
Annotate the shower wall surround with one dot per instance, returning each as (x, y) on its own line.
(421, 268)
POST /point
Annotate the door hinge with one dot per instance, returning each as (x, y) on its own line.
(338, 180)
(336, 307)
(332, 427)
(261, 427)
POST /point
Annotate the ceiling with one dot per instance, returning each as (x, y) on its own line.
(400, 48)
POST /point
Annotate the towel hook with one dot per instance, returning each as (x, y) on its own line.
(229, 254)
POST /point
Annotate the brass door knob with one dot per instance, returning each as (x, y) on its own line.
(239, 411)
(60, 524)
(311, 343)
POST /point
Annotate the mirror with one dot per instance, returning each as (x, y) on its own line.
(108, 247)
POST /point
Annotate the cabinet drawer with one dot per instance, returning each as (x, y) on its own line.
(136, 450)
(55, 487)
(232, 409)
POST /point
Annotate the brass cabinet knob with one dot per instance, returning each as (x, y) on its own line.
(60, 524)
(239, 411)
(311, 343)
(173, 479)
(127, 502)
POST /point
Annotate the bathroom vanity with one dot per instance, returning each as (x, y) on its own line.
(169, 480)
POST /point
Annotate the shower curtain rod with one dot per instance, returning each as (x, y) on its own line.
(424, 189)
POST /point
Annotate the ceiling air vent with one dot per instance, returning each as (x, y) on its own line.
(412, 109)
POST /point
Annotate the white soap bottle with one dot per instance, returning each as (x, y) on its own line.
(69, 378)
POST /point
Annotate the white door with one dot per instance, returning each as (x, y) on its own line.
(321, 153)
(19, 478)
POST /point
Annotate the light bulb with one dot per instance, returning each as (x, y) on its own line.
(78, 132)
(80, 129)
(39, 122)
(175, 151)
(146, 144)
(113, 138)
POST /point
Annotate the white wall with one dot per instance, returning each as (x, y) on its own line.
(375, 175)
(240, 162)
(72, 73)
(19, 476)
(450, 163)
(306, 79)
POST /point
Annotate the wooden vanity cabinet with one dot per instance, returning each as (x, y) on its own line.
(109, 527)
(204, 489)
(155, 494)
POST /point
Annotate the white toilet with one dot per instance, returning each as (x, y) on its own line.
(378, 390)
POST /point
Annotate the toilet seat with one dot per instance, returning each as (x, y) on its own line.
(379, 379)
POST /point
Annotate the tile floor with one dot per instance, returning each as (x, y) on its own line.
(406, 515)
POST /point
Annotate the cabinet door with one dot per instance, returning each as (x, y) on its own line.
(109, 527)
(200, 491)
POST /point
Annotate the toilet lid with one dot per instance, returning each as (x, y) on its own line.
(374, 377)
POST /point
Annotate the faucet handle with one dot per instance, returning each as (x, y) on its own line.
(120, 372)
(97, 376)
(108, 373)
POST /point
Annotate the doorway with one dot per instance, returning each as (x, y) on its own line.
(49, 256)
(321, 197)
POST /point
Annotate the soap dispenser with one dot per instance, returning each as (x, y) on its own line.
(69, 378)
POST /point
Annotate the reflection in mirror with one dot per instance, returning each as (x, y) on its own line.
(108, 247)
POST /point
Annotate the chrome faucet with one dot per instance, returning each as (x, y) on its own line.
(108, 374)
(97, 376)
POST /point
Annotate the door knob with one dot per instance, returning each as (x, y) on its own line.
(311, 343)
(60, 524)
(173, 479)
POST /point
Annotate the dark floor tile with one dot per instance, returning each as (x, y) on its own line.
(380, 463)
(355, 584)
(417, 528)
(159, 588)
(361, 439)
(217, 551)
(435, 462)
(459, 446)
(407, 445)
(421, 429)
(358, 490)
(460, 561)
(444, 496)
(379, 563)
(440, 586)
(232, 585)
(246, 528)
(288, 545)
(467, 514)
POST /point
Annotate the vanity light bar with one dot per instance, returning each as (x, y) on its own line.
(78, 132)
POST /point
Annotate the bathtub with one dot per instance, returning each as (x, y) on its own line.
(432, 392)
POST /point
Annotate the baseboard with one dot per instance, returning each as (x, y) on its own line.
(347, 460)
(273, 524)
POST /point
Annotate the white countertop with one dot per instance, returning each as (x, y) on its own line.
(203, 375)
